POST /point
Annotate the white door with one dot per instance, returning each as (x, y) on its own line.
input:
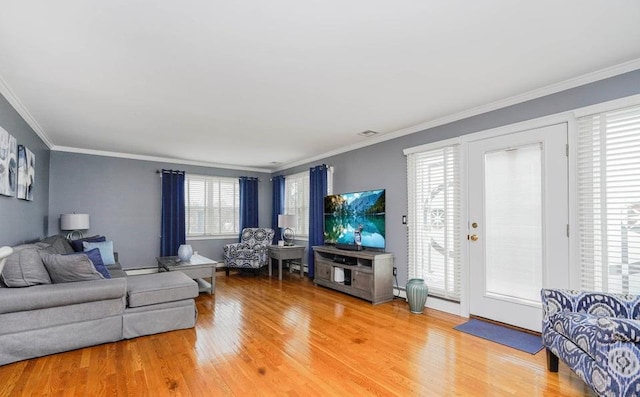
(518, 216)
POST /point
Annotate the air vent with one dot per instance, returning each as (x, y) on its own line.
(367, 133)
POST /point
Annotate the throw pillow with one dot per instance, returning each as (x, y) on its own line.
(70, 268)
(24, 267)
(59, 243)
(96, 259)
(106, 250)
(77, 244)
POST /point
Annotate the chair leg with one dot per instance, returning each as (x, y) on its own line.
(226, 271)
(552, 361)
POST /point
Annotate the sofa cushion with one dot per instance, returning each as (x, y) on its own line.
(77, 244)
(24, 267)
(106, 250)
(59, 243)
(150, 289)
(52, 295)
(579, 328)
(70, 268)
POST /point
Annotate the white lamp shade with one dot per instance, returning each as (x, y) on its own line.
(287, 220)
(74, 221)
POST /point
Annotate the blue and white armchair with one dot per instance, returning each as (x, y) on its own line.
(597, 335)
(251, 251)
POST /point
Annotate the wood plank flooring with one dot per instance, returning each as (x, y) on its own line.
(258, 336)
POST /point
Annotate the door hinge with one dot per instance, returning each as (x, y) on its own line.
(567, 230)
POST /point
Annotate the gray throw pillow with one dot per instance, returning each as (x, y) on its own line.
(24, 267)
(59, 244)
(70, 268)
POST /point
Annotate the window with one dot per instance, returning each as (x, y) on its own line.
(211, 205)
(296, 199)
(433, 180)
(608, 181)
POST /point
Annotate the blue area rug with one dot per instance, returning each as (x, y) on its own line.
(505, 336)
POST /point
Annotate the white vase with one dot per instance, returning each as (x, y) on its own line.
(184, 252)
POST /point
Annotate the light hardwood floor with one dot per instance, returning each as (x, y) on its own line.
(261, 336)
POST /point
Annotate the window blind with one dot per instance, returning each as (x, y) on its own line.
(433, 180)
(212, 205)
(608, 183)
(296, 201)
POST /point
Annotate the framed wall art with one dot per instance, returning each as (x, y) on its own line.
(8, 163)
(26, 173)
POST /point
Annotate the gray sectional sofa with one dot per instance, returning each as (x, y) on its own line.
(40, 317)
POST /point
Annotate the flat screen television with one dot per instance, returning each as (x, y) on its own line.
(355, 220)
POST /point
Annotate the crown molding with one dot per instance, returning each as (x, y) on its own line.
(103, 153)
(514, 100)
(13, 100)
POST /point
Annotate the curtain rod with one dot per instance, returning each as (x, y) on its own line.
(175, 172)
(329, 167)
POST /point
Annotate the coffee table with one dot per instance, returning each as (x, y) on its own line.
(198, 267)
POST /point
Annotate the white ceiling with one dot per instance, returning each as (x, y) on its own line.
(250, 83)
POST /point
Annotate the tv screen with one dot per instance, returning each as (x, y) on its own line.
(355, 219)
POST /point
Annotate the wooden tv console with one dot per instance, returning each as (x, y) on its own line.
(371, 275)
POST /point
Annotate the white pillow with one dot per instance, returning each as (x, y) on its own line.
(4, 253)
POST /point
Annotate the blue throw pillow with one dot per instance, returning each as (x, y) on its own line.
(106, 250)
(77, 244)
(95, 257)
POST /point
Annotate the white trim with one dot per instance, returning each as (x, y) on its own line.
(572, 164)
(23, 112)
(522, 126)
(432, 146)
(435, 303)
(615, 104)
(104, 153)
(135, 272)
(514, 100)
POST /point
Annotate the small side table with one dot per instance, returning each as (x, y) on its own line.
(197, 267)
(286, 252)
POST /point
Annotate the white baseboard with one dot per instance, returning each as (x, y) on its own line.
(135, 272)
(433, 303)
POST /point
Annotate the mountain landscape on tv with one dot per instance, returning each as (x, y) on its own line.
(355, 219)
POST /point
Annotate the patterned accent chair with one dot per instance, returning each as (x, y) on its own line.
(251, 251)
(597, 335)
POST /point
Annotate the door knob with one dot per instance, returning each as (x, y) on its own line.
(474, 237)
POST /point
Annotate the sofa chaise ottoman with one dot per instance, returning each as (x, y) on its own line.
(41, 317)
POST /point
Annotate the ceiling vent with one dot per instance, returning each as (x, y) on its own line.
(367, 133)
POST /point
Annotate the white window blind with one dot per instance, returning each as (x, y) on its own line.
(296, 201)
(211, 205)
(433, 179)
(608, 173)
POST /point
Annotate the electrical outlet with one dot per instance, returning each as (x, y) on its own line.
(395, 271)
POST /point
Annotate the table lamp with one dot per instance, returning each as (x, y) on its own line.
(74, 223)
(287, 222)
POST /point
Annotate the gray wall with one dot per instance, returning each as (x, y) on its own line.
(123, 198)
(383, 166)
(22, 221)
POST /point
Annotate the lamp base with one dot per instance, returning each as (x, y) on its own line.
(288, 236)
(75, 235)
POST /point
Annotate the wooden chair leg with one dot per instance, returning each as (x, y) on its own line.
(226, 271)
(552, 361)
